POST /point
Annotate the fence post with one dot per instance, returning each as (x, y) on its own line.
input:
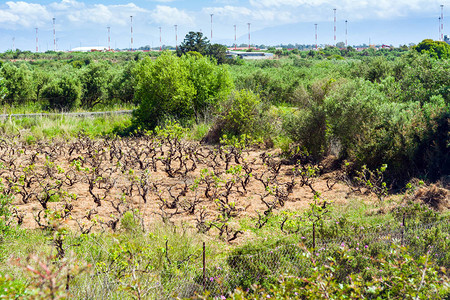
(314, 238)
(403, 229)
(204, 265)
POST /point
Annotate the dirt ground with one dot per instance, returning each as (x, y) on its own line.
(91, 184)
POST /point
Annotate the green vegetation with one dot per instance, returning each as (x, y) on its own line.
(196, 42)
(369, 107)
(33, 129)
(63, 93)
(81, 199)
(180, 88)
(435, 49)
(400, 254)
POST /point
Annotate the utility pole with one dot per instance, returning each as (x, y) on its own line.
(346, 33)
(334, 9)
(109, 38)
(235, 45)
(160, 39)
(440, 38)
(211, 26)
(54, 34)
(14, 44)
(37, 40)
(315, 25)
(131, 18)
(176, 37)
(248, 35)
(442, 22)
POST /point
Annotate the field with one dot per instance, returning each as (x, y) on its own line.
(85, 191)
(318, 175)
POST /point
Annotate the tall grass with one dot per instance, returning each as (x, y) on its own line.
(36, 128)
(31, 107)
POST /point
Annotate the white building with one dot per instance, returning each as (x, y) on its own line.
(250, 55)
(90, 49)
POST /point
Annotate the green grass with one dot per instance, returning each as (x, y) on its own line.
(33, 107)
(165, 258)
(36, 128)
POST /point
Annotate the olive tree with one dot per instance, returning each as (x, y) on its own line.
(93, 81)
(121, 85)
(63, 93)
(18, 83)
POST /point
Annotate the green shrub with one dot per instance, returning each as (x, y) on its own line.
(308, 127)
(18, 83)
(3, 90)
(93, 80)
(395, 276)
(351, 110)
(6, 214)
(435, 49)
(163, 89)
(122, 83)
(212, 83)
(63, 93)
(180, 88)
(243, 113)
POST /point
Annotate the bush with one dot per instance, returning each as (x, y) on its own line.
(357, 122)
(122, 84)
(18, 83)
(63, 93)
(180, 88)
(212, 83)
(309, 126)
(3, 90)
(435, 49)
(243, 113)
(5, 214)
(352, 110)
(395, 276)
(93, 80)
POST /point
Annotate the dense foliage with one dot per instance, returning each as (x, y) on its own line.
(63, 93)
(365, 122)
(181, 88)
(196, 42)
(369, 107)
(435, 49)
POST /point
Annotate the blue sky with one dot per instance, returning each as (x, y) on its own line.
(273, 22)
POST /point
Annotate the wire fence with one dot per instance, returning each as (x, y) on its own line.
(221, 274)
(73, 114)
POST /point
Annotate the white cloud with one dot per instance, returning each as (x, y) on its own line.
(77, 14)
(105, 14)
(356, 9)
(170, 16)
(240, 13)
(234, 12)
(23, 14)
(66, 5)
